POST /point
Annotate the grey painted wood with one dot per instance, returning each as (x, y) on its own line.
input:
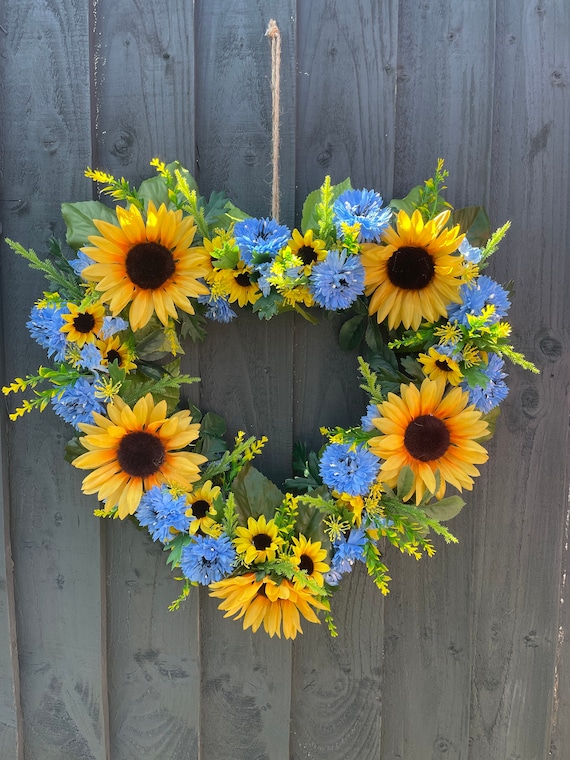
(55, 542)
(444, 104)
(145, 103)
(520, 536)
(246, 367)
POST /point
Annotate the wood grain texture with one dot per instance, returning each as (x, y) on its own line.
(246, 367)
(443, 48)
(46, 129)
(522, 528)
(145, 106)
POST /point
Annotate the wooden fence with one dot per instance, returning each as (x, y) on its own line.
(468, 658)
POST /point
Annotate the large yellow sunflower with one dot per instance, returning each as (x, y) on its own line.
(149, 265)
(429, 432)
(132, 450)
(412, 275)
(265, 601)
(81, 324)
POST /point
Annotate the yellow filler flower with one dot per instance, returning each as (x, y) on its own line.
(149, 265)
(412, 275)
(132, 450)
(429, 432)
(265, 601)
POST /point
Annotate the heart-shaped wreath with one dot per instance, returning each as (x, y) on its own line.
(150, 273)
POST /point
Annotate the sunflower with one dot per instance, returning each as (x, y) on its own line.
(113, 350)
(429, 432)
(308, 250)
(149, 265)
(260, 541)
(82, 323)
(268, 602)
(412, 275)
(309, 556)
(201, 508)
(438, 365)
(236, 284)
(132, 450)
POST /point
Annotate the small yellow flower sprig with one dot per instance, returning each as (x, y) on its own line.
(231, 462)
(119, 189)
(59, 378)
(430, 201)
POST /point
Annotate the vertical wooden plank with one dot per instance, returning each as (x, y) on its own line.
(45, 94)
(521, 531)
(445, 91)
(246, 367)
(145, 105)
(346, 112)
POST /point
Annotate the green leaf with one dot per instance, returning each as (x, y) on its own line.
(193, 326)
(73, 449)
(410, 203)
(474, 222)
(405, 484)
(213, 425)
(268, 306)
(309, 220)
(78, 218)
(491, 419)
(235, 213)
(445, 509)
(255, 494)
(352, 332)
(154, 189)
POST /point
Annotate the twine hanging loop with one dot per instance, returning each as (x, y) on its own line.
(275, 38)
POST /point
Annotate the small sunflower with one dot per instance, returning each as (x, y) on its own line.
(82, 323)
(268, 602)
(236, 284)
(147, 264)
(439, 365)
(201, 508)
(308, 556)
(429, 432)
(112, 349)
(259, 542)
(132, 450)
(412, 275)
(308, 250)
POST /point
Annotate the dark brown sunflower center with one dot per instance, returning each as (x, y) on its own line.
(114, 356)
(307, 254)
(426, 438)
(442, 364)
(149, 265)
(141, 454)
(84, 323)
(200, 508)
(261, 541)
(410, 268)
(243, 280)
(306, 563)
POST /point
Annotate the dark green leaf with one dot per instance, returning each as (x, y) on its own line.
(73, 449)
(255, 494)
(352, 332)
(154, 189)
(405, 484)
(491, 419)
(410, 203)
(213, 425)
(268, 306)
(473, 221)
(445, 509)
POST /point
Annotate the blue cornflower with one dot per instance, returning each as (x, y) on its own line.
(364, 207)
(366, 421)
(162, 513)
(45, 327)
(112, 325)
(207, 559)
(90, 358)
(486, 397)
(475, 296)
(348, 470)
(347, 551)
(336, 282)
(260, 240)
(79, 264)
(77, 403)
(219, 309)
(471, 254)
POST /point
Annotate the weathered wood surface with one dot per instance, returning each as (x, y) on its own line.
(468, 657)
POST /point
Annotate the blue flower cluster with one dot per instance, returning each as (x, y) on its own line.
(208, 559)
(486, 397)
(219, 309)
(365, 208)
(337, 281)
(260, 240)
(348, 469)
(475, 296)
(45, 325)
(346, 551)
(77, 402)
(163, 514)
